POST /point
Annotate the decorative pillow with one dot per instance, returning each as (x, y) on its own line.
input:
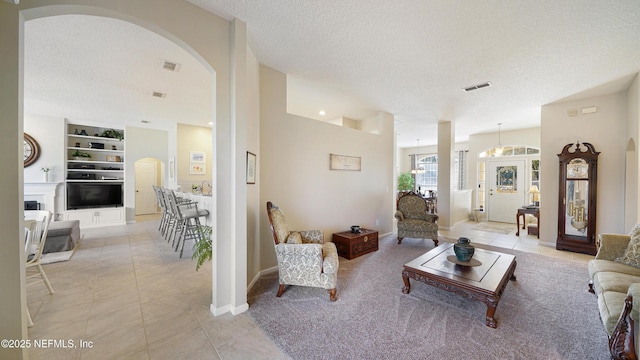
(294, 238)
(632, 252)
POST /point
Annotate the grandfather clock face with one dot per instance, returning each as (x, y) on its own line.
(31, 150)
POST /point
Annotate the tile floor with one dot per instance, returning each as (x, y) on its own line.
(126, 291)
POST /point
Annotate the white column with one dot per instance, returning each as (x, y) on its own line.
(230, 240)
(12, 273)
(446, 143)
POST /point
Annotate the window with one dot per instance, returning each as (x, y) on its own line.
(511, 151)
(535, 173)
(460, 169)
(428, 179)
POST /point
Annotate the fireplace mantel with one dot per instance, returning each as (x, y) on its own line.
(44, 193)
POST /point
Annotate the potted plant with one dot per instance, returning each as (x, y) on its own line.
(113, 134)
(405, 182)
(202, 248)
(81, 155)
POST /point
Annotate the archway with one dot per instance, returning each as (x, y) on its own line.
(186, 30)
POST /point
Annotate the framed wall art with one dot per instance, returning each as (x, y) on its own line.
(251, 168)
(172, 169)
(343, 162)
(197, 168)
(196, 156)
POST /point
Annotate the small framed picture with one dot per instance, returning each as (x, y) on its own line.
(197, 168)
(172, 169)
(251, 168)
(196, 156)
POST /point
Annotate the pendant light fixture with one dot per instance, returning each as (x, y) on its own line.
(499, 149)
(418, 169)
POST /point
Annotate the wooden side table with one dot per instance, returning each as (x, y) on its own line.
(351, 245)
(521, 212)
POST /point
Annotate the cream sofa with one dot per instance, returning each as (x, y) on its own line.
(617, 286)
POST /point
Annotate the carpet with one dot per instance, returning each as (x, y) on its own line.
(546, 314)
(496, 227)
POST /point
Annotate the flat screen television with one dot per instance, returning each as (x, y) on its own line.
(82, 195)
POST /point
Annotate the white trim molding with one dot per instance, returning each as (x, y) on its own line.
(43, 193)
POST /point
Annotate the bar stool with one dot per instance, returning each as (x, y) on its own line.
(187, 221)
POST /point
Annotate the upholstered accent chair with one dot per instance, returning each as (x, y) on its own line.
(414, 221)
(303, 257)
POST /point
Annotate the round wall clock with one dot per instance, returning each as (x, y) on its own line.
(31, 150)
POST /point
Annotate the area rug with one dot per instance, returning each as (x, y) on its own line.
(496, 227)
(547, 313)
(56, 256)
(60, 256)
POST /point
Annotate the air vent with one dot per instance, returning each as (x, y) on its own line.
(145, 121)
(171, 66)
(158, 94)
(476, 87)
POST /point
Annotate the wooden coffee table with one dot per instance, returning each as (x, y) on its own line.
(485, 282)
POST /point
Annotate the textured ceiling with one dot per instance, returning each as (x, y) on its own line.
(411, 58)
(102, 69)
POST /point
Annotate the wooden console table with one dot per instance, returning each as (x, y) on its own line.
(522, 212)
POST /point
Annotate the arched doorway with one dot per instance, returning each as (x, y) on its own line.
(210, 39)
(148, 173)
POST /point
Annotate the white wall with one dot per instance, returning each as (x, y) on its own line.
(254, 208)
(50, 133)
(632, 195)
(295, 170)
(193, 138)
(606, 131)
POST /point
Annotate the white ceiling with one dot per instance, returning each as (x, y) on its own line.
(102, 69)
(411, 58)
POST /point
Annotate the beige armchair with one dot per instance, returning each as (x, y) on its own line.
(303, 257)
(413, 219)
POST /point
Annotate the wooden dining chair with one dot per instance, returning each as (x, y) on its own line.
(35, 244)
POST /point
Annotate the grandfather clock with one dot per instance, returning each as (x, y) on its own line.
(577, 198)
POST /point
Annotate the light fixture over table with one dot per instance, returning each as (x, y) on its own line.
(418, 169)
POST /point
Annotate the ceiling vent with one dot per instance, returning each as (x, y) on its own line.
(476, 87)
(158, 94)
(171, 66)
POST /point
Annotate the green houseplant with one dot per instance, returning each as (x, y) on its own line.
(81, 155)
(203, 248)
(405, 182)
(113, 134)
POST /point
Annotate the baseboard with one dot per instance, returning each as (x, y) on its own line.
(239, 309)
(219, 311)
(255, 279)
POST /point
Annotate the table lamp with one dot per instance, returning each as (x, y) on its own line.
(535, 195)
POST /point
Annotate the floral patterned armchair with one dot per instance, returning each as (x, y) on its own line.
(303, 256)
(413, 219)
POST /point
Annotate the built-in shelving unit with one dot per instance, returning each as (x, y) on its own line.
(94, 155)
